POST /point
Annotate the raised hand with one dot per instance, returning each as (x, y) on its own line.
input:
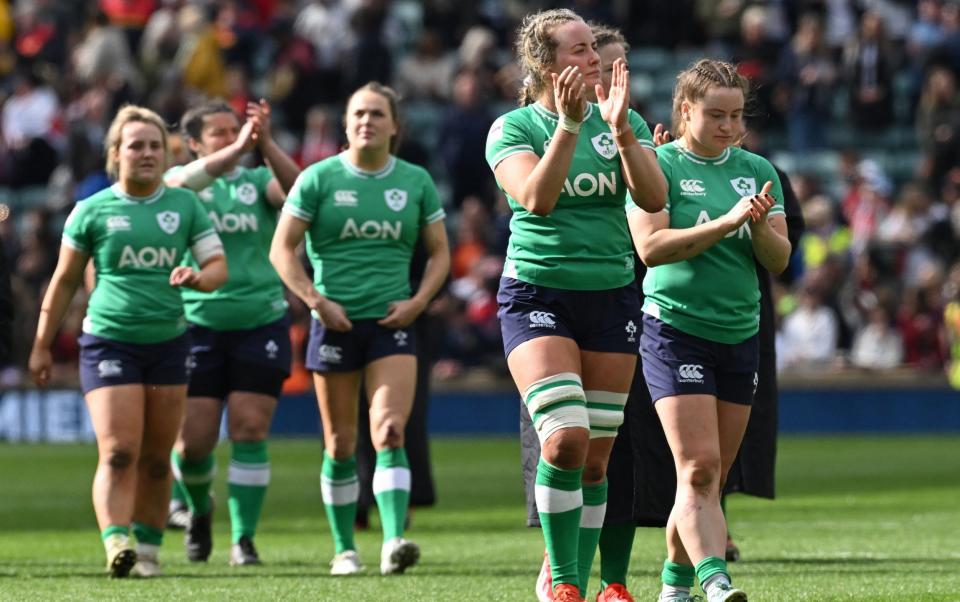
(568, 94)
(753, 208)
(613, 108)
(260, 112)
(661, 135)
(249, 134)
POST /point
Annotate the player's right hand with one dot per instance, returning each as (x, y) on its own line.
(568, 94)
(40, 363)
(332, 315)
(249, 134)
(754, 208)
(661, 135)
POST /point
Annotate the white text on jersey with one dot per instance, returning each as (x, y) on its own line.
(148, 257)
(742, 232)
(234, 222)
(372, 229)
(588, 184)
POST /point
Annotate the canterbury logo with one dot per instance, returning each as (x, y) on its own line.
(689, 372)
(692, 187)
(542, 319)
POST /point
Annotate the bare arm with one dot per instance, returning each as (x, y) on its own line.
(658, 244)
(283, 255)
(66, 278)
(641, 172)
(401, 314)
(771, 244)
(535, 182)
(215, 164)
(285, 170)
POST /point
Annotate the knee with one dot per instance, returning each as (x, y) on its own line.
(566, 448)
(702, 474)
(594, 472)
(388, 434)
(120, 458)
(341, 445)
(155, 468)
(248, 430)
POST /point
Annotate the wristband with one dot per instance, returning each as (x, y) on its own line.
(195, 176)
(569, 125)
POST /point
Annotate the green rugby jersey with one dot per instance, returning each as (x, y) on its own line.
(714, 295)
(135, 243)
(363, 229)
(245, 220)
(584, 243)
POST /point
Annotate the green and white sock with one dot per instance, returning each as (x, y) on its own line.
(177, 491)
(677, 578)
(391, 488)
(340, 490)
(195, 478)
(560, 504)
(247, 480)
(712, 571)
(114, 531)
(616, 544)
(591, 522)
(149, 539)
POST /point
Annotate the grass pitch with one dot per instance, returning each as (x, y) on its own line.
(857, 519)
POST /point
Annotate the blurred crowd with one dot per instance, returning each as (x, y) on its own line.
(856, 99)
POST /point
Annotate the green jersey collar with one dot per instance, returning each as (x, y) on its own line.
(139, 199)
(545, 112)
(700, 160)
(363, 173)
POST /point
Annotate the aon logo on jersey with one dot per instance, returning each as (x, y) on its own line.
(588, 184)
(742, 232)
(148, 257)
(234, 222)
(372, 229)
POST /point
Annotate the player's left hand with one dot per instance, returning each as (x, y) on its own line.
(184, 276)
(260, 112)
(661, 135)
(401, 314)
(613, 108)
(762, 203)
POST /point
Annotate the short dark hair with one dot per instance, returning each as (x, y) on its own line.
(191, 124)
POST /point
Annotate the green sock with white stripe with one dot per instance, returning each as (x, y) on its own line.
(391, 488)
(591, 522)
(195, 478)
(560, 505)
(149, 539)
(340, 490)
(247, 482)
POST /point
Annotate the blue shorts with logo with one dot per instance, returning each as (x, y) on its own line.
(108, 363)
(677, 363)
(606, 321)
(255, 360)
(332, 351)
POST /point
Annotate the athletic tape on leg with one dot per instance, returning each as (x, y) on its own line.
(605, 410)
(555, 403)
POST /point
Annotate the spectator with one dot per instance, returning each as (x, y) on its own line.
(427, 72)
(30, 118)
(808, 74)
(463, 136)
(104, 56)
(808, 337)
(755, 57)
(919, 320)
(869, 65)
(877, 346)
(938, 125)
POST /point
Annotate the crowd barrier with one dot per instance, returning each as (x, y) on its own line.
(31, 415)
